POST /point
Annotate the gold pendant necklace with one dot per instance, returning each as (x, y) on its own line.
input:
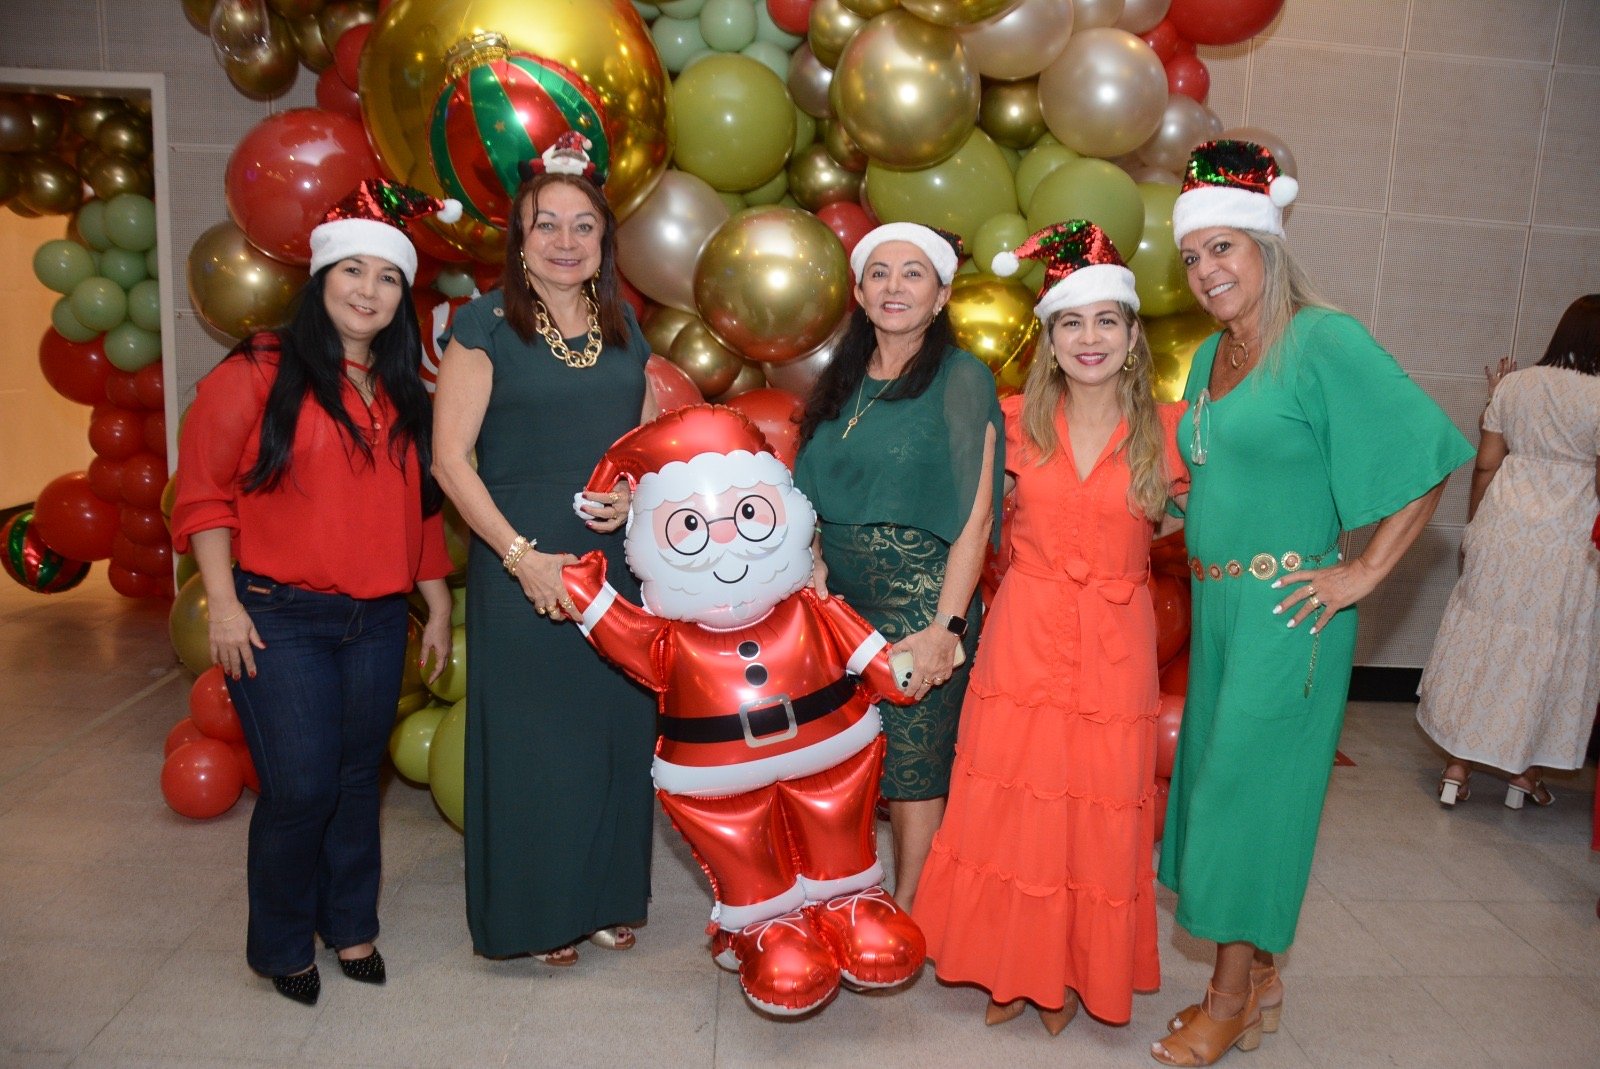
(861, 390)
(558, 344)
(1238, 353)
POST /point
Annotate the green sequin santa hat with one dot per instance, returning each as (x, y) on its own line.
(371, 221)
(1082, 267)
(1234, 184)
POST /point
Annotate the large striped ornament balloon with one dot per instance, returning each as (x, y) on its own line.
(500, 109)
(33, 564)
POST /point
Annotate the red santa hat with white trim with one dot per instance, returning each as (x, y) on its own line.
(371, 221)
(1235, 184)
(1082, 267)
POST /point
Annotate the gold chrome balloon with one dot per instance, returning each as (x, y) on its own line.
(845, 152)
(869, 8)
(1173, 341)
(993, 320)
(904, 91)
(199, 13)
(237, 288)
(11, 178)
(269, 69)
(110, 175)
(239, 28)
(315, 52)
(957, 12)
(832, 26)
(711, 365)
(92, 111)
(296, 9)
(49, 186)
(124, 134)
(341, 15)
(816, 179)
(750, 377)
(48, 118)
(604, 41)
(1009, 113)
(661, 326)
(772, 283)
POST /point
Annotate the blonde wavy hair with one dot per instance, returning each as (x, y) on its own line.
(1285, 290)
(1045, 391)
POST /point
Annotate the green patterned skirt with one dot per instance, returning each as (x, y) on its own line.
(892, 576)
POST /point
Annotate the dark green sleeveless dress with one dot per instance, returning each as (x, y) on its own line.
(559, 804)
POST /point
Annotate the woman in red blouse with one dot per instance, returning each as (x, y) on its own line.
(305, 459)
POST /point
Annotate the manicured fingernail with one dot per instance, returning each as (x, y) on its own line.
(1276, 609)
(1291, 623)
(1276, 583)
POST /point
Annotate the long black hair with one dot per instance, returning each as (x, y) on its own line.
(842, 377)
(1576, 342)
(311, 365)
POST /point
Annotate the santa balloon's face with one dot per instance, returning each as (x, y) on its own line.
(719, 540)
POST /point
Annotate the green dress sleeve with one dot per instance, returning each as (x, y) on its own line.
(1384, 442)
(474, 322)
(971, 409)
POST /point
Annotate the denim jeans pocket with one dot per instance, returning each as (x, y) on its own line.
(257, 593)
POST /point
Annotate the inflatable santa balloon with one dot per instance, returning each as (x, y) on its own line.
(770, 748)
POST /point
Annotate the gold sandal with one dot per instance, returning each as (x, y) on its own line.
(1205, 1039)
(617, 937)
(560, 957)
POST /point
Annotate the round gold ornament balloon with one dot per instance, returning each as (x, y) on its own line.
(993, 320)
(832, 26)
(1104, 95)
(711, 365)
(816, 179)
(604, 42)
(237, 288)
(772, 283)
(1173, 341)
(1010, 113)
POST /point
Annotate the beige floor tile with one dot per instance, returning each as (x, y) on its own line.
(1512, 1018)
(599, 1019)
(55, 999)
(1443, 939)
(1376, 1020)
(1564, 932)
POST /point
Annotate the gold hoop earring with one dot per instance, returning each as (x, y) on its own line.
(1130, 363)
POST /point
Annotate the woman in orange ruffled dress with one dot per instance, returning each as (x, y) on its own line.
(1040, 886)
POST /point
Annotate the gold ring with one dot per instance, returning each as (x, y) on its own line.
(615, 497)
(1315, 602)
(540, 609)
(1311, 589)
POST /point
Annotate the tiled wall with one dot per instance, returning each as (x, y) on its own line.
(1447, 150)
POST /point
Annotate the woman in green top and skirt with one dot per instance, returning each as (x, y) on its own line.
(1300, 427)
(902, 458)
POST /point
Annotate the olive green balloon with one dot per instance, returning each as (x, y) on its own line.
(412, 739)
(958, 194)
(130, 348)
(91, 223)
(735, 122)
(184, 568)
(124, 268)
(447, 764)
(677, 41)
(124, 135)
(189, 626)
(728, 25)
(734, 201)
(144, 305)
(999, 233)
(99, 303)
(1040, 161)
(131, 222)
(1095, 190)
(805, 131)
(67, 324)
(1158, 274)
(62, 264)
(50, 186)
(152, 263)
(770, 192)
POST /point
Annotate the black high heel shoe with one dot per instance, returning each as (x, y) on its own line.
(302, 987)
(368, 970)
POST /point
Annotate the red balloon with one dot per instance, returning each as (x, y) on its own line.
(149, 387)
(76, 370)
(73, 520)
(211, 708)
(154, 561)
(247, 766)
(1222, 22)
(105, 478)
(1168, 554)
(1175, 674)
(1163, 40)
(144, 476)
(288, 171)
(202, 779)
(1159, 801)
(487, 276)
(335, 96)
(1169, 717)
(634, 298)
(132, 584)
(121, 391)
(144, 526)
(672, 386)
(791, 16)
(117, 433)
(1170, 598)
(182, 733)
(347, 53)
(849, 221)
(777, 413)
(1187, 74)
(153, 432)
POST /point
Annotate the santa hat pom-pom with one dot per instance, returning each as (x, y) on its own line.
(450, 212)
(1283, 190)
(1004, 264)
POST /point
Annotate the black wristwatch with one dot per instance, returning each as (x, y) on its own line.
(956, 625)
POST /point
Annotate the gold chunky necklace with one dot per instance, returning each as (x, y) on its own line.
(558, 344)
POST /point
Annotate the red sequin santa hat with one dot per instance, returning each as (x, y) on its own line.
(371, 221)
(1082, 267)
(1235, 184)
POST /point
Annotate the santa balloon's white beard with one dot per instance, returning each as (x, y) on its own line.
(721, 586)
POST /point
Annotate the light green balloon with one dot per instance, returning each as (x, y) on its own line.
(728, 25)
(677, 41)
(1095, 190)
(99, 303)
(735, 122)
(144, 305)
(62, 264)
(958, 194)
(455, 280)
(124, 268)
(1013, 157)
(412, 739)
(451, 685)
(91, 223)
(734, 201)
(447, 764)
(767, 30)
(1159, 277)
(768, 55)
(152, 262)
(805, 131)
(999, 233)
(646, 11)
(681, 9)
(131, 221)
(769, 193)
(130, 348)
(67, 324)
(1036, 164)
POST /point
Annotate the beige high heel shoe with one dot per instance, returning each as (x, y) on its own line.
(1001, 1012)
(1056, 1021)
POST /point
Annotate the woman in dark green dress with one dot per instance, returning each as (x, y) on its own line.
(903, 462)
(539, 378)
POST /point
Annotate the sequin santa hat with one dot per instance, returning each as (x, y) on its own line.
(1234, 184)
(1082, 267)
(371, 221)
(567, 154)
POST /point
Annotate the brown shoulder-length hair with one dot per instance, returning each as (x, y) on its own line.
(606, 288)
(1576, 342)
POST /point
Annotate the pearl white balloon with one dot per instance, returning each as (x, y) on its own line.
(1021, 42)
(659, 244)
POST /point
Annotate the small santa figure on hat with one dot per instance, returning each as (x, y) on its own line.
(770, 747)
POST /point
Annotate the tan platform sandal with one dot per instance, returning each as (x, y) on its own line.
(1264, 981)
(1205, 1039)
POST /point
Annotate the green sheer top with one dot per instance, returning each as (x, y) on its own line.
(914, 462)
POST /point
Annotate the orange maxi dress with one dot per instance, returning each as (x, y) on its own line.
(1040, 877)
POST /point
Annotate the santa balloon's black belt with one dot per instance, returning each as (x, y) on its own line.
(761, 721)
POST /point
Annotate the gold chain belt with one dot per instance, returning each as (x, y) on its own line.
(1262, 566)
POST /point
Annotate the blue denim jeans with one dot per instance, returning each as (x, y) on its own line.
(317, 718)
